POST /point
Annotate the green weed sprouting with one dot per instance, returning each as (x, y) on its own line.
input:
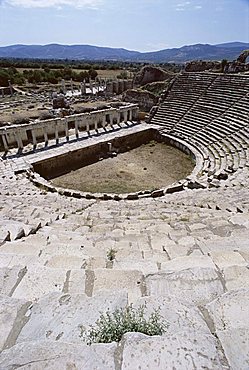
(111, 254)
(110, 327)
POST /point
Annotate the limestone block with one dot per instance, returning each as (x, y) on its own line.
(10, 278)
(176, 250)
(95, 263)
(245, 255)
(196, 285)
(183, 350)
(39, 281)
(227, 258)
(240, 219)
(146, 267)
(235, 343)
(53, 356)
(229, 314)
(186, 262)
(230, 310)
(11, 260)
(11, 316)
(160, 242)
(23, 247)
(131, 253)
(64, 317)
(236, 277)
(179, 315)
(4, 235)
(177, 234)
(75, 281)
(187, 241)
(156, 256)
(197, 227)
(217, 243)
(67, 262)
(71, 249)
(15, 229)
(130, 280)
(158, 228)
(136, 240)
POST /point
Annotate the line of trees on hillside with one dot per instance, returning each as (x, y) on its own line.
(52, 71)
(60, 64)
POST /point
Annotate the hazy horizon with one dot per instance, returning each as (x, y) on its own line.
(143, 25)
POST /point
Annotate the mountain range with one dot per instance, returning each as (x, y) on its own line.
(183, 54)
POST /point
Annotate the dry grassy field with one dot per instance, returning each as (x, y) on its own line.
(150, 166)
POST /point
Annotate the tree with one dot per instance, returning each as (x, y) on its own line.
(92, 73)
(4, 77)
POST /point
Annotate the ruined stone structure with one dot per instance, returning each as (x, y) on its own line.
(118, 86)
(202, 65)
(183, 249)
(243, 56)
(145, 99)
(234, 66)
(21, 135)
(150, 74)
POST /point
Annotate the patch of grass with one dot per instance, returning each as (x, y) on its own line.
(110, 327)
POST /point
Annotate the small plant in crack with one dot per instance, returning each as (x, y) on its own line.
(111, 254)
(111, 326)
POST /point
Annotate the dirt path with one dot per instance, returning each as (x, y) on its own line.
(150, 166)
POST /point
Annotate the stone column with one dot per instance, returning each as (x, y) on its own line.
(125, 116)
(66, 130)
(45, 136)
(11, 88)
(76, 129)
(19, 140)
(5, 144)
(91, 85)
(83, 87)
(34, 138)
(63, 86)
(111, 120)
(103, 121)
(118, 118)
(56, 134)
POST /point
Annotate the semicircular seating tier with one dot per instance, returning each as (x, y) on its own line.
(210, 112)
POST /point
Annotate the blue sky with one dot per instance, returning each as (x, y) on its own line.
(142, 25)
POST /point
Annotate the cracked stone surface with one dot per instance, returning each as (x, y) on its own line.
(53, 355)
(229, 313)
(64, 317)
(174, 351)
(186, 253)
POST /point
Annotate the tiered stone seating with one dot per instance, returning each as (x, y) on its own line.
(216, 118)
(183, 258)
(186, 91)
(185, 253)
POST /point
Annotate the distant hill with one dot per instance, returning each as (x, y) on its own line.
(186, 53)
(236, 44)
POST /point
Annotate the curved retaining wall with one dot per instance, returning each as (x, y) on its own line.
(58, 165)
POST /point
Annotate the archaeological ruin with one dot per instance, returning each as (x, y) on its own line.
(68, 255)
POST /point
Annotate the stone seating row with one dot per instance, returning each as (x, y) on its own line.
(211, 121)
(182, 258)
